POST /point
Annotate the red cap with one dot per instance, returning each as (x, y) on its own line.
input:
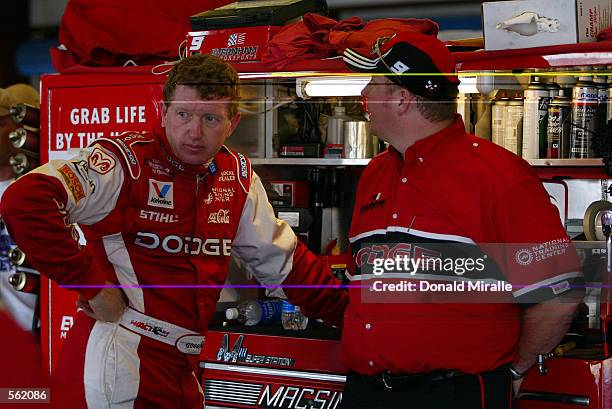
(420, 63)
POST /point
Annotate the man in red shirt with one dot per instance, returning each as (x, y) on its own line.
(453, 334)
(162, 212)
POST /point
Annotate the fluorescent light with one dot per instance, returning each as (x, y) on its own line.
(467, 85)
(336, 86)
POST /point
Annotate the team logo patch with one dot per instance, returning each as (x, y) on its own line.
(523, 257)
(73, 182)
(161, 194)
(219, 217)
(101, 162)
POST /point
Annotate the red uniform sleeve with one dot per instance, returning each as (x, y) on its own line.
(325, 298)
(538, 257)
(279, 261)
(37, 223)
(41, 208)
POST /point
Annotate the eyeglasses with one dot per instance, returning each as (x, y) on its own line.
(380, 41)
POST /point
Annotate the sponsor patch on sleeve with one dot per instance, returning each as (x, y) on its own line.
(244, 172)
(73, 182)
(100, 161)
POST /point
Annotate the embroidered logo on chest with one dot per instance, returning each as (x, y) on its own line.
(219, 217)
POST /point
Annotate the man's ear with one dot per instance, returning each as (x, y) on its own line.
(406, 101)
(234, 123)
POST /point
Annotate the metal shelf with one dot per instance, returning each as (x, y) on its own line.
(363, 162)
(309, 161)
(565, 162)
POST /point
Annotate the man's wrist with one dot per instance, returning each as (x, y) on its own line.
(516, 375)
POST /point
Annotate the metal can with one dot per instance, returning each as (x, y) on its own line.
(22, 163)
(558, 129)
(553, 92)
(513, 126)
(553, 88)
(16, 256)
(25, 282)
(584, 109)
(497, 120)
(25, 114)
(602, 97)
(609, 101)
(21, 138)
(535, 119)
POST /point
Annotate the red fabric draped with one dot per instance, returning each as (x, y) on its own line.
(321, 37)
(111, 32)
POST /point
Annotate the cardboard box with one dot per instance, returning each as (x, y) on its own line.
(240, 44)
(537, 23)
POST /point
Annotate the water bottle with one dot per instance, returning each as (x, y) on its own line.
(252, 312)
(292, 318)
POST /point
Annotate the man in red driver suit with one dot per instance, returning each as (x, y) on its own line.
(158, 210)
(438, 190)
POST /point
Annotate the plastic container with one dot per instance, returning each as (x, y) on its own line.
(292, 318)
(253, 312)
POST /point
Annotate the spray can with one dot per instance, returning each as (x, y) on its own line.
(558, 129)
(22, 138)
(609, 101)
(584, 108)
(497, 119)
(22, 163)
(535, 120)
(553, 92)
(25, 114)
(17, 257)
(513, 126)
(602, 97)
(25, 282)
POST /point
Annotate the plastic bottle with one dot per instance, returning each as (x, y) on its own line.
(253, 312)
(292, 318)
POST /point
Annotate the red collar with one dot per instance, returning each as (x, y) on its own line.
(421, 149)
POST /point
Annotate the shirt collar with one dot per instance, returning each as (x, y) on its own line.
(421, 149)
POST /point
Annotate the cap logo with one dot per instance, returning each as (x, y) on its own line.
(399, 67)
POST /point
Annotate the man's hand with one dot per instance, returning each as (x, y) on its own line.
(108, 305)
(516, 385)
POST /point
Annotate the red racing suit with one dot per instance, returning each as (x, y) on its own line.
(158, 228)
(452, 192)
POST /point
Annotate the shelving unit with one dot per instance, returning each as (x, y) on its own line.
(310, 161)
(562, 58)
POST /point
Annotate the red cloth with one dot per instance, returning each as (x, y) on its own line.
(605, 34)
(110, 32)
(321, 37)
